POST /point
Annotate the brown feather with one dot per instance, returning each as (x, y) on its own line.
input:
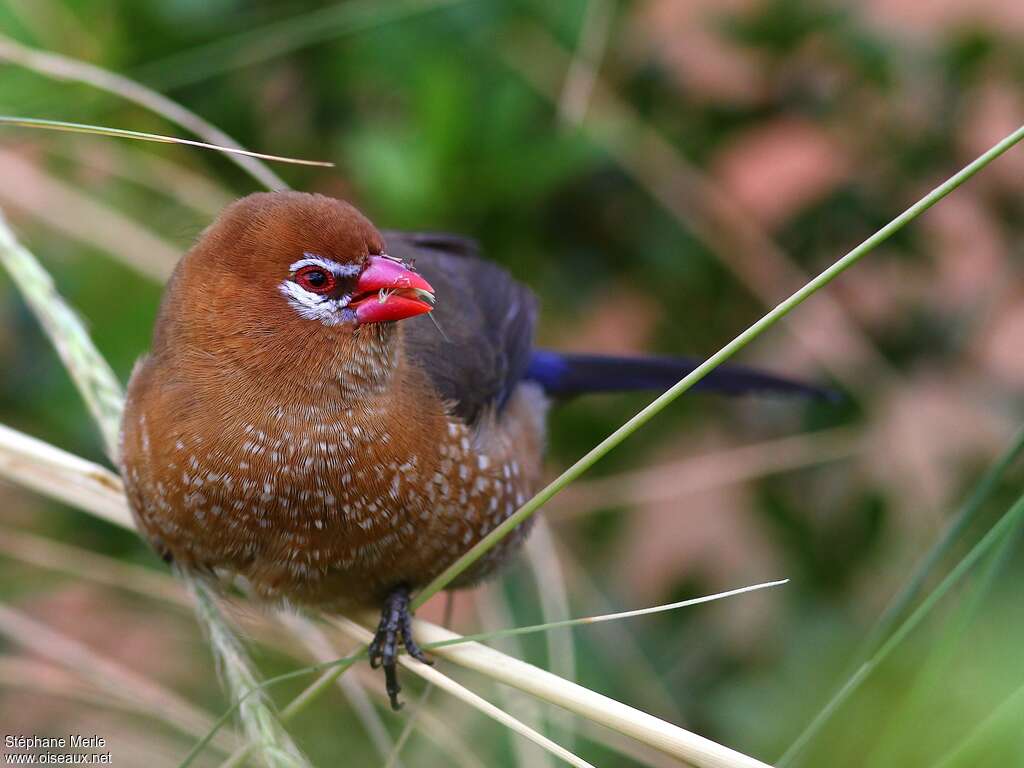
(317, 461)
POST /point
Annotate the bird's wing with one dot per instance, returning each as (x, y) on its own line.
(481, 344)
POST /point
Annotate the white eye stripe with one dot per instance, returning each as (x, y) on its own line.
(311, 306)
(336, 269)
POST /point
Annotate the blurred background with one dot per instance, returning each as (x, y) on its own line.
(661, 172)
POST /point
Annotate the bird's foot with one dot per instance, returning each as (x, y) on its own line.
(395, 627)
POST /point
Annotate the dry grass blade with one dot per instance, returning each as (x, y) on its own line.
(650, 730)
(51, 680)
(594, 706)
(122, 133)
(494, 612)
(63, 476)
(93, 377)
(699, 205)
(102, 393)
(657, 733)
(513, 631)
(542, 555)
(82, 217)
(66, 68)
(579, 82)
(107, 674)
(320, 648)
(259, 720)
(674, 479)
(43, 552)
(431, 675)
(280, 37)
(163, 176)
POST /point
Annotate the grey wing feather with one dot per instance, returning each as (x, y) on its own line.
(487, 316)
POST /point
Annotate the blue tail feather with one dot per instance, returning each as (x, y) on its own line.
(566, 375)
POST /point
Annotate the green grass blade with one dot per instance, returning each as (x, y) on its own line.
(122, 133)
(513, 631)
(65, 68)
(279, 38)
(92, 375)
(935, 669)
(1006, 718)
(726, 352)
(995, 534)
(103, 394)
(967, 514)
(981, 494)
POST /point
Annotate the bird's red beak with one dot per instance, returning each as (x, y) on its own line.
(388, 290)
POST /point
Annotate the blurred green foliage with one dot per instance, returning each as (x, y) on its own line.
(433, 126)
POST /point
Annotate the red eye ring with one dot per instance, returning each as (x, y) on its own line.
(316, 279)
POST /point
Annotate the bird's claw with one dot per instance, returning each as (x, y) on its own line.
(395, 627)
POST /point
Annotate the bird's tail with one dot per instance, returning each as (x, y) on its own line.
(566, 375)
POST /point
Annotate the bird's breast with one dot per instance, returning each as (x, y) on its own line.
(329, 505)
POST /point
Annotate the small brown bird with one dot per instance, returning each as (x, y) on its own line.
(295, 426)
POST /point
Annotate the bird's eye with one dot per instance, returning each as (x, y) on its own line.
(316, 279)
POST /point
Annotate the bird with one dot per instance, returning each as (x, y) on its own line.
(300, 423)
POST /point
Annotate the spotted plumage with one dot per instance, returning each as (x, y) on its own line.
(301, 423)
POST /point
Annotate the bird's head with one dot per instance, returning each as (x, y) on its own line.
(285, 277)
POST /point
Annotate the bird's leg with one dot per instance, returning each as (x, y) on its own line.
(395, 626)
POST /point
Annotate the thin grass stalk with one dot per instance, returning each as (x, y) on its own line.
(66, 68)
(107, 674)
(393, 760)
(665, 737)
(158, 138)
(44, 552)
(955, 528)
(259, 721)
(570, 690)
(280, 37)
(105, 399)
(595, 29)
(1006, 718)
(48, 679)
(935, 669)
(1007, 522)
(92, 375)
(700, 206)
(445, 683)
(724, 354)
(494, 612)
(320, 648)
(553, 595)
(79, 216)
(898, 606)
